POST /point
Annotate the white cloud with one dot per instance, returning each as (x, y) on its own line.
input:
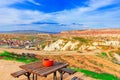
(14, 16)
(99, 3)
(89, 16)
(34, 2)
(5, 3)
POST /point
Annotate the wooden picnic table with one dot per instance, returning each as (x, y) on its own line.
(37, 68)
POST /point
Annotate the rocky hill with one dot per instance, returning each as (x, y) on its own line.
(93, 32)
(27, 32)
(81, 44)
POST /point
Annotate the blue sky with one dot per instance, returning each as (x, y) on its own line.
(59, 15)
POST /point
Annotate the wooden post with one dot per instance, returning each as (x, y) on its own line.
(54, 76)
(28, 75)
(61, 75)
(36, 77)
(33, 77)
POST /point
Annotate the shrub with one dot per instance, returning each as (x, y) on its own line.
(83, 40)
(103, 54)
(20, 58)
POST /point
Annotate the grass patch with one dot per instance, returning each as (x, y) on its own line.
(98, 76)
(117, 52)
(20, 58)
(83, 40)
(103, 54)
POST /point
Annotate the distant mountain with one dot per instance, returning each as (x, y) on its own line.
(93, 32)
(27, 32)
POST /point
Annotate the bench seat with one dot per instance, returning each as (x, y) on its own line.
(18, 73)
(67, 70)
(76, 78)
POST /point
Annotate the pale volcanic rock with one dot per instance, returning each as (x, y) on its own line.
(117, 56)
(54, 46)
(91, 48)
(70, 45)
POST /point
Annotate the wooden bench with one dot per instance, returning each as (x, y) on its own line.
(76, 78)
(67, 70)
(28, 55)
(32, 55)
(18, 73)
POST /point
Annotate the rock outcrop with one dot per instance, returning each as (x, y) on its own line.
(61, 45)
(97, 32)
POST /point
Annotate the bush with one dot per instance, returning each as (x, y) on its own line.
(103, 54)
(83, 40)
(16, 57)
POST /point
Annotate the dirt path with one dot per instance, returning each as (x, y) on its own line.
(8, 67)
(19, 51)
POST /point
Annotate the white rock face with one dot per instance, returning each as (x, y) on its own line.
(112, 43)
(54, 46)
(91, 48)
(96, 43)
(108, 43)
(117, 56)
(60, 45)
(70, 45)
(82, 47)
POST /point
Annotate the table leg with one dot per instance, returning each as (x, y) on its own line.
(61, 75)
(54, 76)
(33, 77)
(28, 75)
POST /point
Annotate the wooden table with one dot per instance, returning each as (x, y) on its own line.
(38, 69)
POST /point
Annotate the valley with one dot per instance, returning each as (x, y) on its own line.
(98, 51)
